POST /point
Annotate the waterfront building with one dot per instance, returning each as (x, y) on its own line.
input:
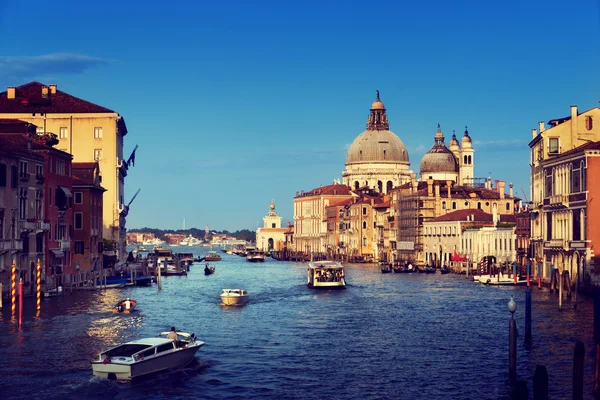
(523, 235)
(422, 201)
(271, 237)
(174, 239)
(377, 158)
(335, 212)
(87, 131)
(561, 193)
(471, 233)
(310, 218)
(22, 210)
(87, 221)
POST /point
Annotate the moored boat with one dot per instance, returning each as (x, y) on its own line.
(326, 275)
(212, 256)
(234, 297)
(146, 356)
(499, 280)
(209, 270)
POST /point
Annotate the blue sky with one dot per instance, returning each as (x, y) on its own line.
(235, 103)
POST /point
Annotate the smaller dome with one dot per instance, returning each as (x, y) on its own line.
(439, 161)
(377, 105)
(454, 145)
(466, 138)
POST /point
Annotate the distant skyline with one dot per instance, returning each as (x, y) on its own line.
(234, 105)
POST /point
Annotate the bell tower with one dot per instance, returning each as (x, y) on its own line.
(272, 220)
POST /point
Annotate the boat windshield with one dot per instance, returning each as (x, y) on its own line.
(329, 274)
(126, 350)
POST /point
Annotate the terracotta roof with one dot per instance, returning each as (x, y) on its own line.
(384, 204)
(335, 189)
(17, 145)
(20, 141)
(83, 165)
(29, 99)
(10, 125)
(339, 202)
(474, 215)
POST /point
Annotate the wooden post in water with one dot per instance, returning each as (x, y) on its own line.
(539, 275)
(20, 301)
(540, 383)
(528, 315)
(560, 290)
(0, 295)
(529, 273)
(578, 371)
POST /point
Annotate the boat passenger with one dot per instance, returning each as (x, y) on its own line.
(127, 304)
(172, 335)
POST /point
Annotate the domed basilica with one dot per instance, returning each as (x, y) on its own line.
(377, 158)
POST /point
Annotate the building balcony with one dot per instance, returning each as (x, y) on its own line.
(24, 176)
(557, 243)
(43, 226)
(64, 244)
(39, 178)
(10, 245)
(558, 201)
(26, 226)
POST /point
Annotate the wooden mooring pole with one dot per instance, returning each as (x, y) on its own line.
(540, 383)
(528, 315)
(578, 371)
(597, 340)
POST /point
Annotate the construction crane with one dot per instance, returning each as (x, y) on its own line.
(524, 195)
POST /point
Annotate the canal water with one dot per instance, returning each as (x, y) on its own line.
(386, 336)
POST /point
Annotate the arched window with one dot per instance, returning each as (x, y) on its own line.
(364, 241)
(443, 205)
(364, 224)
(464, 159)
(420, 219)
(380, 186)
(479, 205)
(420, 203)
(487, 203)
(384, 152)
(366, 183)
(356, 185)
(507, 206)
(466, 204)
(469, 159)
(390, 185)
(454, 205)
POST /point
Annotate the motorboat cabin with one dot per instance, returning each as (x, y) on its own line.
(326, 274)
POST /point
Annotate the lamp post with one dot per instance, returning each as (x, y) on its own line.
(512, 340)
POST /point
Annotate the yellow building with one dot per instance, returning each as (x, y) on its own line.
(87, 131)
(552, 181)
(271, 237)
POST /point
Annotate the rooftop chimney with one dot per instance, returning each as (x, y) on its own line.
(10, 93)
(542, 126)
(45, 92)
(497, 185)
(533, 133)
(574, 130)
(500, 185)
(52, 89)
(510, 189)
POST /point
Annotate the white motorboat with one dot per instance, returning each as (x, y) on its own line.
(499, 280)
(234, 297)
(142, 357)
(326, 275)
(255, 256)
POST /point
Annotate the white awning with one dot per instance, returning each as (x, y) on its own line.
(57, 253)
(66, 191)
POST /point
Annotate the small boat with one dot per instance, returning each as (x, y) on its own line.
(122, 306)
(132, 360)
(209, 270)
(499, 280)
(212, 256)
(234, 297)
(326, 275)
(445, 270)
(429, 270)
(255, 256)
(385, 267)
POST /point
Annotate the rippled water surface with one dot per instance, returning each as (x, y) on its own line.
(385, 336)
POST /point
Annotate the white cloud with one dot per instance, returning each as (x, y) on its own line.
(28, 67)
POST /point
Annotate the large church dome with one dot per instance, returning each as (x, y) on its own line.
(439, 160)
(377, 144)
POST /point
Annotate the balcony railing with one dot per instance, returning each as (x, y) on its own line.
(560, 243)
(559, 200)
(25, 226)
(64, 244)
(42, 226)
(24, 176)
(39, 178)
(11, 245)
